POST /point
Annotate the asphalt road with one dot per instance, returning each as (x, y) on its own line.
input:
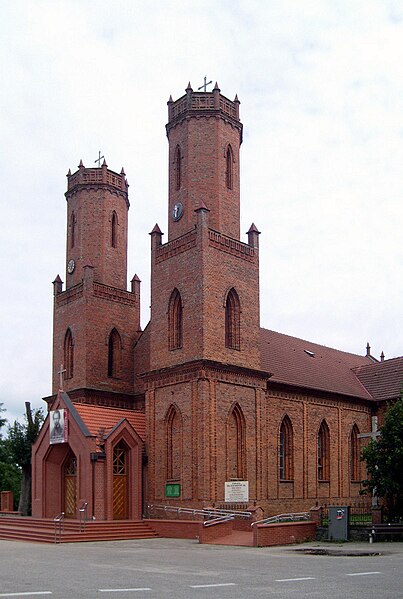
(182, 569)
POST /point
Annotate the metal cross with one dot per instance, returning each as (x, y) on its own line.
(374, 432)
(99, 159)
(205, 84)
(372, 435)
(60, 373)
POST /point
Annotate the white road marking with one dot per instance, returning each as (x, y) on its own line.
(295, 579)
(362, 573)
(27, 594)
(207, 586)
(124, 590)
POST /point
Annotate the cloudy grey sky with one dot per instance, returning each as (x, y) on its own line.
(321, 90)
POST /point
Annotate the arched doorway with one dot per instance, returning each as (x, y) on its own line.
(70, 486)
(120, 471)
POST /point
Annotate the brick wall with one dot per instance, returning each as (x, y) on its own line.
(286, 533)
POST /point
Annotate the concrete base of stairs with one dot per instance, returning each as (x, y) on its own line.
(238, 538)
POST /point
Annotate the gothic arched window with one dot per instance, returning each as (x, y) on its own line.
(323, 452)
(354, 454)
(114, 230)
(68, 354)
(236, 444)
(286, 450)
(229, 172)
(232, 320)
(173, 443)
(114, 354)
(72, 230)
(178, 168)
(175, 324)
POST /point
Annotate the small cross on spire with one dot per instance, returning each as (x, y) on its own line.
(60, 373)
(205, 84)
(99, 159)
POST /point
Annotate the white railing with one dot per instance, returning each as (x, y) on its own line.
(208, 513)
(83, 515)
(283, 518)
(59, 526)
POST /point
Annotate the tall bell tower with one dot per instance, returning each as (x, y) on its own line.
(205, 135)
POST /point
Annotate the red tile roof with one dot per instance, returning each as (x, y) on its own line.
(99, 417)
(305, 364)
(383, 380)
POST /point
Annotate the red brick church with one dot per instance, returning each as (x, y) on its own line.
(204, 406)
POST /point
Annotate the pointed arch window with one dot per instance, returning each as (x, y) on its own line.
(232, 320)
(114, 354)
(72, 230)
(175, 318)
(114, 230)
(286, 450)
(178, 168)
(229, 172)
(173, 422)
(236, 444)
(68, 354)
(354, 454)
(323, 452)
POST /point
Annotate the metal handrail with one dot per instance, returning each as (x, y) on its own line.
(83, 515)
(209, 512)
(219, 520)
(283, 518)
(59, 526)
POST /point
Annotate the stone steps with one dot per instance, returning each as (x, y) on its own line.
(43, 530)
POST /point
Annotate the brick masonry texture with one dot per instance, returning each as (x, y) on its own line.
(223, 403)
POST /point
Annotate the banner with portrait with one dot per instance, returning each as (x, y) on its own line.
(58, 427)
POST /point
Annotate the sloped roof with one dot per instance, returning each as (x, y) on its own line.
(383, 380)
(305, 364)
(99, 417)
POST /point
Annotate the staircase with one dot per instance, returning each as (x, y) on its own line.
(42, 530)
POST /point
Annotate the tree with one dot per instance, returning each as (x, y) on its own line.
(20, 440)
(384, 458)
(10, 474)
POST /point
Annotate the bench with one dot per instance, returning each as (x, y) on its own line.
(380, 530)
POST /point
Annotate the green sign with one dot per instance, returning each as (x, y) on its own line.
(172, 490)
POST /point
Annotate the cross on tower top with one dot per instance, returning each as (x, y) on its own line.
(99, 159)
(205, 84)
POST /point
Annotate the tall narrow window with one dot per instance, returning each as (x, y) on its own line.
(178, 168)
(175, 324)
(229, 173)
(232, 320)
(114, 354)
(323, 452)
(286, 450)
(173, 443)
(72, 230)
(68, 354)
(354, 454)
(236, 444)
(114, 230)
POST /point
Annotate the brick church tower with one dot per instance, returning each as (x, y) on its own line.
(96, 320)
(203, 336)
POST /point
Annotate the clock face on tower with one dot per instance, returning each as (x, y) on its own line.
(177, 211)
(71, 266)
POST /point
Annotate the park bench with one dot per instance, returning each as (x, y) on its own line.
(389, 530)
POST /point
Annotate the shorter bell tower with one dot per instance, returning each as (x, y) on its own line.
(96, 319)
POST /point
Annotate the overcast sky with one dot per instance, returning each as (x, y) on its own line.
(321, 91)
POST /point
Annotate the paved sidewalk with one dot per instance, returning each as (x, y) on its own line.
(347, 548)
